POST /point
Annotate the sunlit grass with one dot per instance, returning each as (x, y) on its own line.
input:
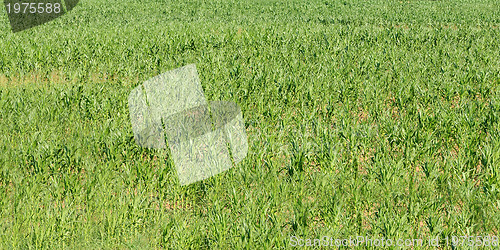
(375, 118)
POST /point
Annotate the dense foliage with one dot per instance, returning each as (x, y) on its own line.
(376, 118)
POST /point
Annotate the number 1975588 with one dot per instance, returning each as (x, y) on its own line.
(33, 8)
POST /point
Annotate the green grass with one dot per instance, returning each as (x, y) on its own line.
(376, 118)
